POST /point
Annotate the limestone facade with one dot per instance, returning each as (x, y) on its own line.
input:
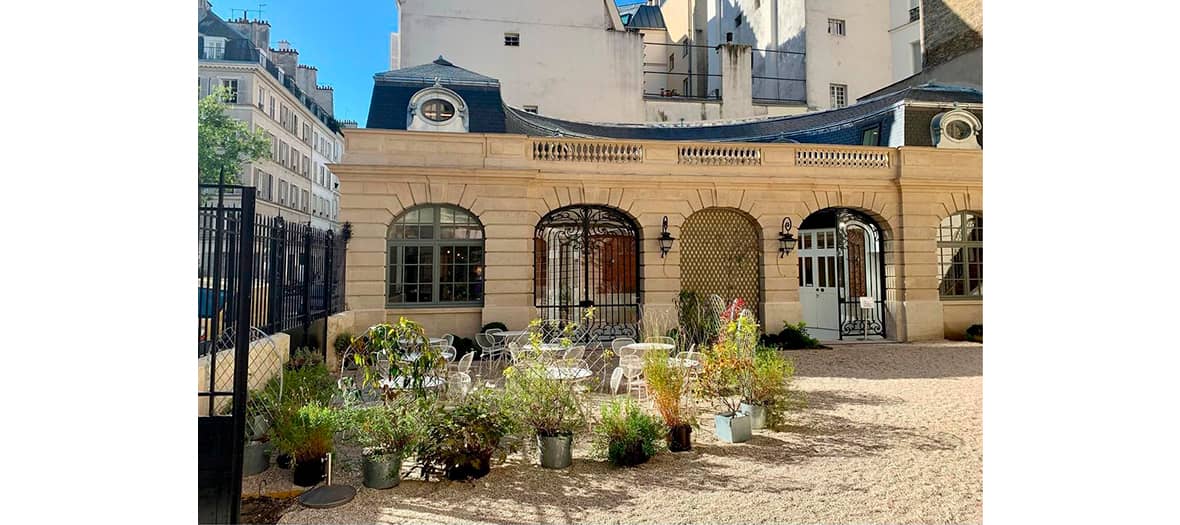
(509, 182)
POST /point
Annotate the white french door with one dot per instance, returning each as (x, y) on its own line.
(820, 277)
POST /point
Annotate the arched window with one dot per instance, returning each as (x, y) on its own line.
(435, 256)
(960, 256)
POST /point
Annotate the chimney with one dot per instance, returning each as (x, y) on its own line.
(286, 57)
(395, 51)
(258, 31)
(203, 8)
(736, 81)
(324, 97)
(305, 78)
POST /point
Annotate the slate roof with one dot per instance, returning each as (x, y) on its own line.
(643, 16)
(392, 91)
(814, 127)
(440, 69)
(213, 25)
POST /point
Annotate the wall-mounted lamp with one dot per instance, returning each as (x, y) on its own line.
(786, 241)
(665, 239)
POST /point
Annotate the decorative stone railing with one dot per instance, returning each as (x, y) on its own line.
(578, 151)
(719, 155)
(841, 158)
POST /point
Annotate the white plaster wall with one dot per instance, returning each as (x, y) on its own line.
(901, 33)
(569, 64)
(775, 25)
(860, 59)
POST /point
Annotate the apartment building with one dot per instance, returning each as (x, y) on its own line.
(271, 91)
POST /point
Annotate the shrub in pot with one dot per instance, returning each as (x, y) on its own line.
(726, 372)
(400, 352)
(306, 436)
(459, 441)
(669, 386)
(768, 393)
(549, 407)
(386, 433)
(626, 435)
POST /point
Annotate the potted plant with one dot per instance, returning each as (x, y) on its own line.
(768, 391)
(385, 432)
(400, 352)
(306, 436)
(668, 386)
(726, 370)
(550, 407)
(459, 442)
(626, 435)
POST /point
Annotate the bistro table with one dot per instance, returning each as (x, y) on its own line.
(402, 382)
(564, 373)
(432, 341)
(510, 334)
(641, 348)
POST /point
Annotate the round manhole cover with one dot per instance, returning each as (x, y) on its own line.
(327, 496)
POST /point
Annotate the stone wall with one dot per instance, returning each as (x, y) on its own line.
(951, 28)
(510, 187)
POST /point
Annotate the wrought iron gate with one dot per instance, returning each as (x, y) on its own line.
(588, 256)
(859, 245)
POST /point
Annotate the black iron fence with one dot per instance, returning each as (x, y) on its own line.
(297, 271)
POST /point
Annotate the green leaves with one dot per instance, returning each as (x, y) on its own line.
(223, 142)
(625, 429)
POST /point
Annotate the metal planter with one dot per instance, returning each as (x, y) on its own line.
(255, 458)
(382, 471)
(757, 415)
(556, 451)
(732, 428)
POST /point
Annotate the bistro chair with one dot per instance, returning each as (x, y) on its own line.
(574, 353)
(487, 345)
(464, 363)
(616, 380)
(450, 339)
(633, 371)
(619, 342)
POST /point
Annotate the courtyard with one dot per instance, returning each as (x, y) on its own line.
(892, 433)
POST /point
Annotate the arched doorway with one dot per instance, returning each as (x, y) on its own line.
(721, 254)
(842, 275)
(587, 256)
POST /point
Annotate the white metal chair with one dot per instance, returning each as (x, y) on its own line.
(616, 380)
(448, 352)
(458, 385)
(619, 342)
(450, 339)
(633, 370)
(574, 353)
(464, 363)
(487, 345)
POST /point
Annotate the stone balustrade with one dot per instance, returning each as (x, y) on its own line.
(720, 155)
(840, 158)
(587, 151)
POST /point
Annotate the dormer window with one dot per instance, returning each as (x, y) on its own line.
(438, 110)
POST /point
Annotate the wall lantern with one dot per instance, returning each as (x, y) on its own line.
(786, 241)
(665, 239)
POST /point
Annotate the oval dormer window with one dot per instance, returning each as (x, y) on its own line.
(438, 110)
(958, 129)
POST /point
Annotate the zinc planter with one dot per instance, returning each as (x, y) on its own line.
(382, 471)
(308, 473)
(255, 458)
(680, 438)
(732, 428)
(556, 451)
(757, 415)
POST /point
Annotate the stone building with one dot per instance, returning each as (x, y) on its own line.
(538, 217)
(273, 92)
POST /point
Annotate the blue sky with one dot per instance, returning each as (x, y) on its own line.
(346, 41)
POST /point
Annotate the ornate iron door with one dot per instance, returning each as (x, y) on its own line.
(860, 247)
(588, 256)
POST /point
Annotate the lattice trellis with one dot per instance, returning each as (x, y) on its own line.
(720, 254)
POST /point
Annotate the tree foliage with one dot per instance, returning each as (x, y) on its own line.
(223, 142)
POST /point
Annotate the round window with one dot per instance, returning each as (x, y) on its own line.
(438, 110)
(958, 129)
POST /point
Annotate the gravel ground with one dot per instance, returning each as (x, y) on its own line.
(892, 434)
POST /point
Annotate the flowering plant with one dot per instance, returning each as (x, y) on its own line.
(728, 365)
